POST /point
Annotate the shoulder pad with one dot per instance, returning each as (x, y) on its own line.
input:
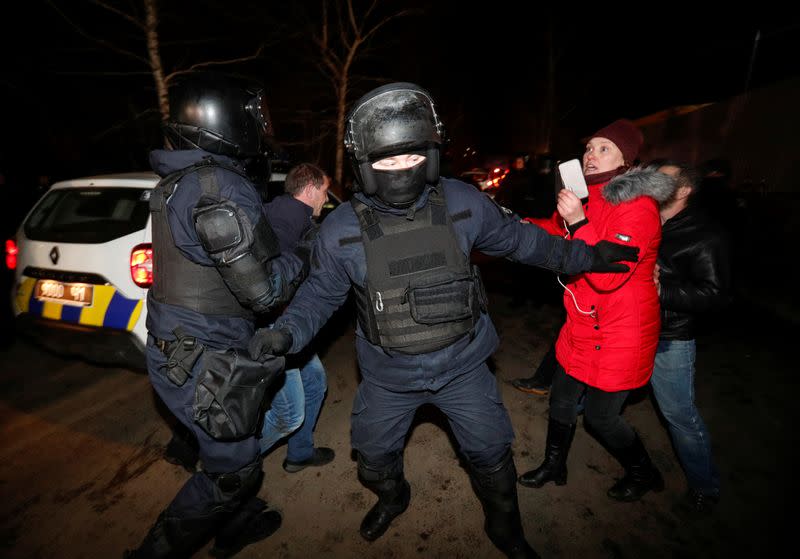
(218, 227)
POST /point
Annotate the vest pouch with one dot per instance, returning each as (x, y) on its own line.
(440, 297)
(480, 289)
(231, 394)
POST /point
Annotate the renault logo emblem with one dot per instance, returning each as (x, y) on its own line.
(54, 255)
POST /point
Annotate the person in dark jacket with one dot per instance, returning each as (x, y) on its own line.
(423, 333)
(692, 278)
(296, 406)
(216, 265)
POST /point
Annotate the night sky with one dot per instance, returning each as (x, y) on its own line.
(73, 107)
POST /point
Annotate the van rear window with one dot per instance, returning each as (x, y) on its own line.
(88, 215)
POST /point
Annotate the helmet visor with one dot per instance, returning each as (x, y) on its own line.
(393, 122)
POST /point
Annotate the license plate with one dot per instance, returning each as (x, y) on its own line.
(78, 294)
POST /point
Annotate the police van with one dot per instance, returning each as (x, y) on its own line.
(83, 262)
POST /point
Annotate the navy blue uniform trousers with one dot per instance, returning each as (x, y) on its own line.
(472, 403)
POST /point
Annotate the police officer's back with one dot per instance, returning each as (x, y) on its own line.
(216, 265)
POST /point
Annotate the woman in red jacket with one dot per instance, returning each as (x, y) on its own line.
(607, 346)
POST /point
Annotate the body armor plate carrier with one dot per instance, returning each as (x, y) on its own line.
(421, 294)
(176, 279)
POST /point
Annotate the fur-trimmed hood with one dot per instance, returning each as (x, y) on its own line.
(639, 182)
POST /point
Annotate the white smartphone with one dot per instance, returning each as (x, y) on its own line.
(572, 177)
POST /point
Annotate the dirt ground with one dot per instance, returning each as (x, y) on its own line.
(81, 474)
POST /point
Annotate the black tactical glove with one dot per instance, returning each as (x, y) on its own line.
(268, 341)
(606, 253)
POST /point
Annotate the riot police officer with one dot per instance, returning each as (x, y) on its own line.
(216, 264)
(423, 334)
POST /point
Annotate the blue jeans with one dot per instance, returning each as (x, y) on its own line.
(673, 386)
(295, 409)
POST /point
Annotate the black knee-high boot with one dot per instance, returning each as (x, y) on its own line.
(641, 475)
(181, 529)
(252, 522)
(394, 495)
(497, 490)
(554, 467)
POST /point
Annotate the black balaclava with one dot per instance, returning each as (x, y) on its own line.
(400, 188)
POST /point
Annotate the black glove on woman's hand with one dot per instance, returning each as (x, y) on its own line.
(268, 341)
(606, 253)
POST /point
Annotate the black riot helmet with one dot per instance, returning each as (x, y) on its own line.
(219, 114)
(394, 119)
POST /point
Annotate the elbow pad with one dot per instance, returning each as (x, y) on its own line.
(240, 252)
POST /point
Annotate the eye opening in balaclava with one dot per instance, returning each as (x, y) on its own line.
(400, 188)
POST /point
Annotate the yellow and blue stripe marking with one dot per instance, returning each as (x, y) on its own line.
(108, 310)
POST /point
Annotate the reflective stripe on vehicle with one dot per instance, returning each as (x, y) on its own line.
(109, 309)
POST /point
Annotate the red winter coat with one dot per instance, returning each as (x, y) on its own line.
(614, 350)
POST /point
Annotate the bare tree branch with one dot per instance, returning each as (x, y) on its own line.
(351, 16)
(335, 61)
(103, 73)
(120, 13)
(342, 27)
(103, 42)
(324, 39)
(329, 56)
(384, 21)
(122, 124)
(195, 67)
(203, 41)
(369, 11)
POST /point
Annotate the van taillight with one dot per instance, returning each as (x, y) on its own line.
(142, 265)
(11, 254)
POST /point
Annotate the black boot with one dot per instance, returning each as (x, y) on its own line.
(393, 498)
(532, 385)
(187, 524)
(497, 490)
(394, 494)
(250, 524)
(554, 467)
(541, 380)
(172, 538)
(641, 475)
(156, 544)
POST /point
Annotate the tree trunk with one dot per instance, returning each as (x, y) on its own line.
(151, 23)
(341, 114)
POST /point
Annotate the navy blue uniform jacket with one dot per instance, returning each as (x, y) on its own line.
(336, 266)
(290, 219)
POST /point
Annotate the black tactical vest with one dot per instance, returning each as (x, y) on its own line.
(176, 279)
(421, 294)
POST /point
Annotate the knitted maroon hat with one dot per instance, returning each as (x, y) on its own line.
(625, 136)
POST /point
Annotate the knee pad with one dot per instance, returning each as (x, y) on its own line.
(500, 476)
(388, 466)
(231, 488)
(488, 458)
